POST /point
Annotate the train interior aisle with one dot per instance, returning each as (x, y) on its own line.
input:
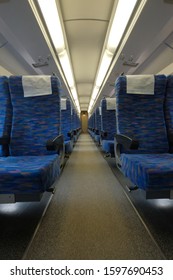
(86, 105)
(90, 216)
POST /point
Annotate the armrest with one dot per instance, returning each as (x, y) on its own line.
(104, 134)
(4, 140)
(55, 144)
(127, 142)
(97, 132)
(70, 134)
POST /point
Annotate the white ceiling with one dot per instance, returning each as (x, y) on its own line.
(86, 24)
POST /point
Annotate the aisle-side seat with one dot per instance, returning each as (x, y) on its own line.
(97, 130)
(91, 125)
(169, 111)
(5, 116)
(36, 146)
(76, 125)
(142, 150)
(66, 125)
(108, 125)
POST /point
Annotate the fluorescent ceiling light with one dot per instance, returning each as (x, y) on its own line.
(74, 93)
(106, 60)
(75, 97)
(122, 15)
(77, 104)
(52, 19)
(121, 18)
(65, 63)
(51, 16)
(90, 105)
(95, 92)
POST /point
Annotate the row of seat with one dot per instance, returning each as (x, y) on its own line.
(144, 132)
(101, 125)
(35, 134)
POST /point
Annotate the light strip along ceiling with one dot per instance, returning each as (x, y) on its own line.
(121, 18)
(52, 19)
(116, 33)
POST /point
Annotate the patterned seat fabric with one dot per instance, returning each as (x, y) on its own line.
(5, 113)
(76, 125)
(169, 111)
(141, 117)
(91, 125)
(108, 124)
(36, 119)
(149, 171)
(66, 124)
(97, 124)
(28, 174)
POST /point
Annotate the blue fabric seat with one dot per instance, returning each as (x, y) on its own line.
(108, 125)
(5, 115)
(76, 125)
(141, 140)
(169, 111)
(97, 125)
(36, 143)
(91, 125)
(66, 124)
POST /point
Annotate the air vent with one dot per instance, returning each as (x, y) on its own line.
(40, 64)
(130, 63)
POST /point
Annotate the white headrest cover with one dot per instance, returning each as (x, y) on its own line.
(140, 84)
(110, 103)
(63, 104)
(36, 85)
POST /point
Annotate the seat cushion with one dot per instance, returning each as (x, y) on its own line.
(149, 171)
(68, 146)
(28, 174)
(108, 146)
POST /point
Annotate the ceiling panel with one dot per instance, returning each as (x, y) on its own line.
(82, 9)
(86, 24)
(85, 40)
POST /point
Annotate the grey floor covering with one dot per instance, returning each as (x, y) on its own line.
(18, 222)
(90, 216)
(157, 214)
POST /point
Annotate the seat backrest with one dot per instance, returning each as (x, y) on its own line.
(36, 113)
(108, 117)
(169, 111)
(66, 117)
(91, 122)
(98, 119)
(5, 113)
(75, 119)
(140, 113)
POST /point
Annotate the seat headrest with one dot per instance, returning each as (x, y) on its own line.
(140, 84)
(110, 103)
(36, 85)
(63, 103)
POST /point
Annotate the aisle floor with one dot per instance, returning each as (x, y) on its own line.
(90, 217)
